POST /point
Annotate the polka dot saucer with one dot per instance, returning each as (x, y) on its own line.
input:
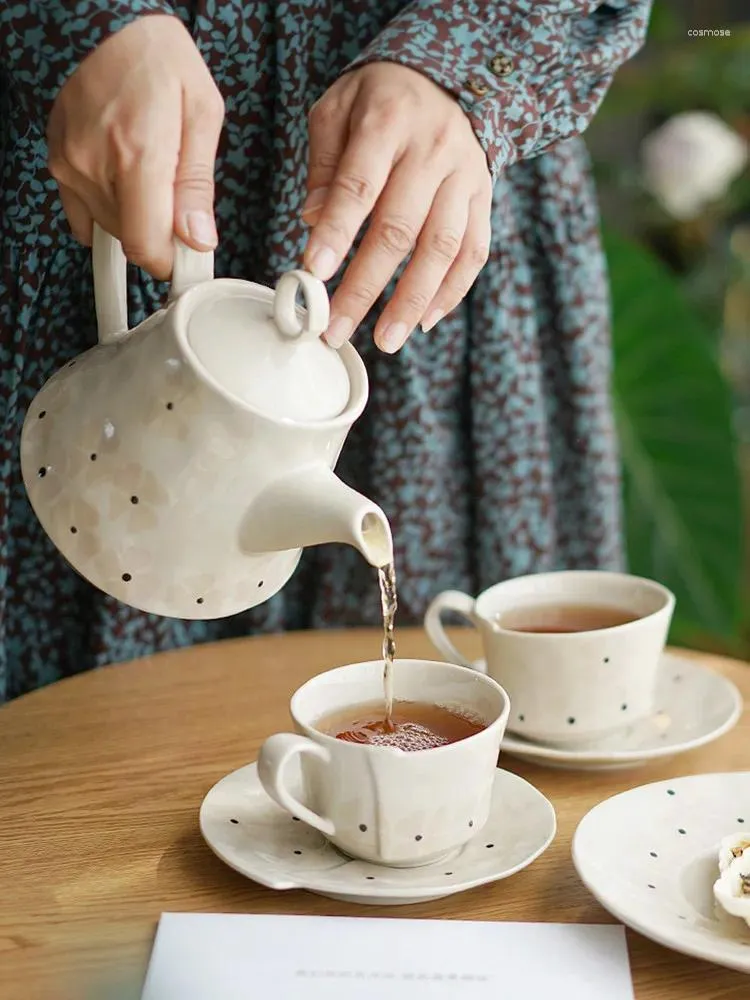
(695, 707)
(651, 856)
(251, 834)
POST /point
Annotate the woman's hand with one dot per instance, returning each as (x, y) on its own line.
(132, 142)
(387, 143)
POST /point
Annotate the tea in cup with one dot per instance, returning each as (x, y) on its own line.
(404, 793)
(577, 651)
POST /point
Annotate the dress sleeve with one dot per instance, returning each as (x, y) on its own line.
(43, 41)
(528, 73)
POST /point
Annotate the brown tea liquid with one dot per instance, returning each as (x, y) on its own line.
(559, 618)
(413, 725)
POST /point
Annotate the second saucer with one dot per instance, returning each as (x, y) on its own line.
(695, 706)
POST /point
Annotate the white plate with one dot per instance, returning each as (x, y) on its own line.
(695, 706)
(650, 856)
(244, 828)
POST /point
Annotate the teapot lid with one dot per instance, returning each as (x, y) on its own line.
(266, 350)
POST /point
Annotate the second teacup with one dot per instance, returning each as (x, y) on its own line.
(577, 651)
(380, 803)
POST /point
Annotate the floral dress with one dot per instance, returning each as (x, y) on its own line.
(489, 441)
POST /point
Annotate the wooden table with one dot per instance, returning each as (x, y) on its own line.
(102, 775)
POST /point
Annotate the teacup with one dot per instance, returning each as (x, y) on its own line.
(378, 803)
(566, 687)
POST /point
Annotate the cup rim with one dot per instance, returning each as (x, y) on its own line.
(667, 605)
(500, 721)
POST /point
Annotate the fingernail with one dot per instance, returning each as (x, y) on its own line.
(339, 331)
(315, 200)
(432, 318)
(202, 229)
(323, 263)
(392, 337)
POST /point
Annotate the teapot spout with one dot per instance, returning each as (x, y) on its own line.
(314, 507)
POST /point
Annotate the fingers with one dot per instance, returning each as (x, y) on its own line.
(86, 194)
(471, 259)
(78, 215)
(145, 161)
(132, 138)
(194, 219)
(401, 213)
(84, 202)
(438, 246)
(353, 189)
(451, 250)
(145, 197)
(328, 135)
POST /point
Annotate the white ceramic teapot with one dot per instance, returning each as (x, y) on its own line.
(181, 466)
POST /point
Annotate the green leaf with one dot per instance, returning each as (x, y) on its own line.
(665, 25)
(682, 492)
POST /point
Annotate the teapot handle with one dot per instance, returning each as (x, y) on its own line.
(110, 281)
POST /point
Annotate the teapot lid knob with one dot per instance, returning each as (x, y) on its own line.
(315, 321)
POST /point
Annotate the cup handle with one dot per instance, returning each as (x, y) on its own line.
(458, 603)
(109, 267)
(274, 756)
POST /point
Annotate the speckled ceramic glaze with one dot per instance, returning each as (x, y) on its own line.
(694, 707)
(379, 803)
(651, 857)
(181, 466)
(251, 834)
(567, 688)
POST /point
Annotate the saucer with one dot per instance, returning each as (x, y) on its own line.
(696, 706)
(650, 857)
(251, 834)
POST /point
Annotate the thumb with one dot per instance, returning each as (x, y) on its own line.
(194, 221)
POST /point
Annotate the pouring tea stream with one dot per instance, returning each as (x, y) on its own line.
(181, 466)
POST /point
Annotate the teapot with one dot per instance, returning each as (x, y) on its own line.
(182, 466)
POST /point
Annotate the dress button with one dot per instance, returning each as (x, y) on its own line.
(478, 86)
(501, 65)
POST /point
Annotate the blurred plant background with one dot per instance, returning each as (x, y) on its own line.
(670, 148)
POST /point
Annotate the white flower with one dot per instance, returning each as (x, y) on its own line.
(691, 161)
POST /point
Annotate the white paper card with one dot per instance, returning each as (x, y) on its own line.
(238, 957)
